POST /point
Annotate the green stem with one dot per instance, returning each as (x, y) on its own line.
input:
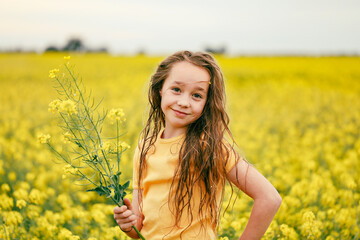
(83, 126)
(55, 151)
(117, 146)
(138, 233)
(90, 119)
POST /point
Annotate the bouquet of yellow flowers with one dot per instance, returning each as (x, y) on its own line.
(95, 160)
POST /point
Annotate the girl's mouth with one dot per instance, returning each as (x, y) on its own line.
(179, 113)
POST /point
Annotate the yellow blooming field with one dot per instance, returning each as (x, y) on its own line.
(297, 120)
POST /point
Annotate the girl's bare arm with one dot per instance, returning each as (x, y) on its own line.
(266, 198)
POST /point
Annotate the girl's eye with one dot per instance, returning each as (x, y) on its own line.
(175, 89)
(196, 95)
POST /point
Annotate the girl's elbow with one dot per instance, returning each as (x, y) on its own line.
(276, 200)
(279, 201)
(272, 200)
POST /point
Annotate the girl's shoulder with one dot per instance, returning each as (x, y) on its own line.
(145, 146)
(233, 153)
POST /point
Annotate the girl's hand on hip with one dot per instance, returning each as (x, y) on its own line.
(124, 216)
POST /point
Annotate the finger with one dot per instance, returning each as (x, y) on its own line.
(126, 216)
(128, 213)
(117, 210)
(125, 228)
(131, 221)
(122, 221)
(127, 225)
(127, 202)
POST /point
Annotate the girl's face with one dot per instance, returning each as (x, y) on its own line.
(183, 97)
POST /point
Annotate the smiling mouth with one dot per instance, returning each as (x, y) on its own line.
(180, 113)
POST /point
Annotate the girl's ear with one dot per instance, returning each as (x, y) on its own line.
(160, 93)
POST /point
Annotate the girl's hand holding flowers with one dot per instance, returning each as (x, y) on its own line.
(125, 216)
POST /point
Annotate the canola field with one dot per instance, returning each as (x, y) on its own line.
(296, 119)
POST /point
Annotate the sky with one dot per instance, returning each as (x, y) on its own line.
(159, 27)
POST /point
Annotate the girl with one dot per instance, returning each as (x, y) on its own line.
(183, 161)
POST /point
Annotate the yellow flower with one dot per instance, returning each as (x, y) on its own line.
(43, 138)
(236, 225)
(98, 215)
(310, 227)
(308, 216)
(53, 217)
(52, 73)
(331, 213)
(124, 145)
(64, 201)
(30, 176)
(12, 218)
(66, 234)
(33, 211)
(6, 202)
(5, 187)
(50, 191)
(12, 176)
(45, 227)
(35, 196)
(329, 238)
(351, 184)
(86, 197)
(21, 203)
(106, 146)
(117, 115)
(5, 232)
(24, 185)
(54, 106)
(288, 232)
(68, 169)
(68, 106)
(20, 194)
(67, 57)
(120, 147)
(66, 137)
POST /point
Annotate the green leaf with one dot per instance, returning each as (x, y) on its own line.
(116, 177)
(100, 190)
(119, 195)
(126, 185)
(78, 143)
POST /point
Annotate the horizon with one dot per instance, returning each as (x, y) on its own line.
(158, 27)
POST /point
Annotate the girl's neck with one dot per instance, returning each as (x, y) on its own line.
(171, 133)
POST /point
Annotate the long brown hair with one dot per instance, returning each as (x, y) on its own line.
(204, 153)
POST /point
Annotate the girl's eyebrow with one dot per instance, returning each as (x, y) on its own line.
(197, 88)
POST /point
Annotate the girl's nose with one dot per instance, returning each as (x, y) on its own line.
(184, 101)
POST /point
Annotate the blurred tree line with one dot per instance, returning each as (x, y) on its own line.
(74, 45)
